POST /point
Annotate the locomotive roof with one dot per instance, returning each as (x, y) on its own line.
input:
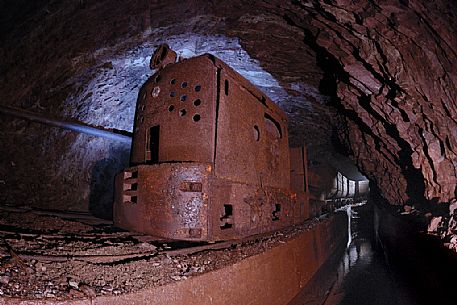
(246, 84)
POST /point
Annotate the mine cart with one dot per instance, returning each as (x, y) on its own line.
(210, 157)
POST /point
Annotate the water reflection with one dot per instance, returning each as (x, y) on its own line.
(368, 272)
(364, 275)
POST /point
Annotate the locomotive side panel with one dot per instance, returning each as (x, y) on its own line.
(175, 115)
(299, 183)
(252, 143)
(238, 210)
(250, 189)
(167, 200)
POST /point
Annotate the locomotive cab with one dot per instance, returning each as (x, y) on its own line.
(210, 158)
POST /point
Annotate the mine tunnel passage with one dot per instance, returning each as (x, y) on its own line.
(369, 80)
(356, 278)
(360, 274)
(363, 273)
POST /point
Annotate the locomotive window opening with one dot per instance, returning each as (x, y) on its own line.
(196, 118)
(128, 175)
(197, 102)
(263, 100)
(128, 185)
(184, 85)
(256, 133)
(153, 145)
(226, 87)
(130, 199)
(272, 126)
(226, 218)
(276, 212)
(198, 88)
(182, 112)
(173, 81)
(171, 108)
(183, 98)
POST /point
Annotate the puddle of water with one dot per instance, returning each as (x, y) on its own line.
(359, 274)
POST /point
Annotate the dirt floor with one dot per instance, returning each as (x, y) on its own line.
(65, 256)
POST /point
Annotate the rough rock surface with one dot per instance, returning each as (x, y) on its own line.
(378, 74)
(397, 90)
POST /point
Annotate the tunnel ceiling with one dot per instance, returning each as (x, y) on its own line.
(374, 80)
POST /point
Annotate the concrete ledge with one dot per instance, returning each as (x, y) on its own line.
(272, 277)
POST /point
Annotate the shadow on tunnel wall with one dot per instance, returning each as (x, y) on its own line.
(101, 194)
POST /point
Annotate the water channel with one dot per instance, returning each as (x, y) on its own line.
(365, 272)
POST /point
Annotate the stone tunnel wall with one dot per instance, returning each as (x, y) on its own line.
(396, 82)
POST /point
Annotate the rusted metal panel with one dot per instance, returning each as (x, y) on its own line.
(297, 170)
(299, 183)
(275, 276)
(252, 141)
(175, 114)
(259, 95)
(251, 208)
(167, 200)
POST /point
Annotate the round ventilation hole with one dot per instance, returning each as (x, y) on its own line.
(183, 98)
(198, 88)
(182, 112)
(197, 102)
(196, 118)
(184, 85)
(171, 108)
(172, 94)
(173, 81)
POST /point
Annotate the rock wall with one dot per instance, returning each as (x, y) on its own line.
(396, 87)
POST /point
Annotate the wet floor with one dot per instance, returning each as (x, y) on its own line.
(366, 277)
(366, 273)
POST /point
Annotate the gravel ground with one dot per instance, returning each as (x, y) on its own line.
(43, 256)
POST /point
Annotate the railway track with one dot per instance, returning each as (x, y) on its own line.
(100, 242)
(46, 254)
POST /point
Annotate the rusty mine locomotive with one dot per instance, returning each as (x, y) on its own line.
(210, 157)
